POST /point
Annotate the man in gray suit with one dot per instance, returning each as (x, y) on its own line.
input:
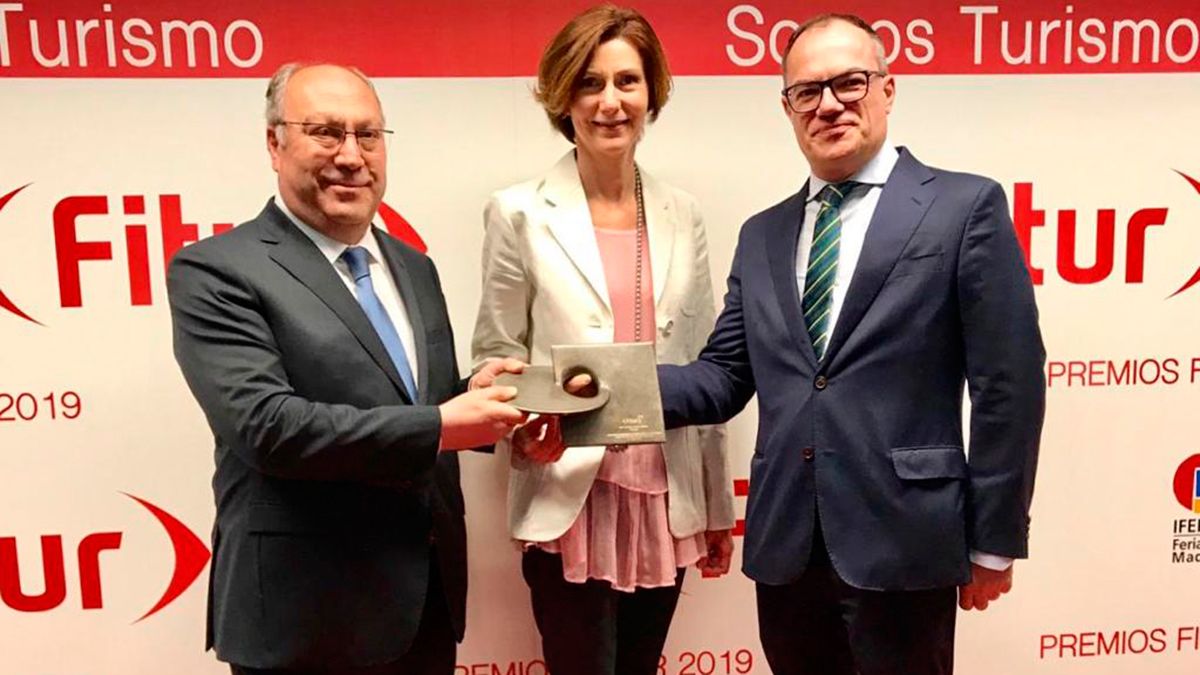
(320, 350)
(856, 311)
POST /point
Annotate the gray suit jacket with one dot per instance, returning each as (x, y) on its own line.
(329, 485)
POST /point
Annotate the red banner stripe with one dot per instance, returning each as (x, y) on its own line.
(504, 38)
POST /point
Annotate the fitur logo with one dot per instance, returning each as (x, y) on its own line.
(191, 557)
(130, 225)
(1104, 261)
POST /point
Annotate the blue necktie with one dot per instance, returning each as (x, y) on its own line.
(822, 264)
(356, 260)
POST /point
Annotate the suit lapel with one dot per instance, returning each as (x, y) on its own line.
(571, 224)
(296, 253)
(782, 237)
(394, 258)
(661, 224)
(905, 198)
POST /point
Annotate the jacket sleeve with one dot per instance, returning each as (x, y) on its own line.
(228, 354)
(716, 386)
(502, 325)
(1004, 363)
(713, 440)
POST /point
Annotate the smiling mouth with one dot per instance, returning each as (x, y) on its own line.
(835, 129)
(614, 124)
(344, 185)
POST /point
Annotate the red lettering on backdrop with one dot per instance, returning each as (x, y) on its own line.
(139, 256)
(504, 38)
(139, 265)
(54, 575)
(1135, 254)
(70, 251)
(1025, 218)
(53, 572)
(191, 557)
(89, 566)
(175, 233)
(1187, 635)
(1067, 256)
(1090, 644)
(1068, 266)
(1109, 373)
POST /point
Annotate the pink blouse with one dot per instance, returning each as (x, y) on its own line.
(622, 534)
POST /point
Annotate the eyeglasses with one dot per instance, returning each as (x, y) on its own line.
(330, 136)
(848, 87)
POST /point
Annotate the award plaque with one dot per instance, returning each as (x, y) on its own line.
(538, 391)
(629, 372)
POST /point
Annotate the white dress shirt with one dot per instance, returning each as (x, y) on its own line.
(381, 279)
(855, 213)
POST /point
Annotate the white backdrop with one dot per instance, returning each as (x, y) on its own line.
(1101, 592)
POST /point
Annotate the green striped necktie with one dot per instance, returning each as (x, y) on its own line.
(822, 264)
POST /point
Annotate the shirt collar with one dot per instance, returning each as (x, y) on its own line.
(329, 247)
(875, 172)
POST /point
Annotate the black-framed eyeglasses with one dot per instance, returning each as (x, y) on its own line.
(848, 87)
(331, 136)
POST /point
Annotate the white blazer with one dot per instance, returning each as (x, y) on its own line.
(544, 284)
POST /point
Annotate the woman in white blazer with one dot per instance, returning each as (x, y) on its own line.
(572, 257)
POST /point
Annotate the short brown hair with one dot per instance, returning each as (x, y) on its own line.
(822, 20)
(566, 58)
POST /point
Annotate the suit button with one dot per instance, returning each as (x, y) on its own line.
(809, 454)
(820, 382)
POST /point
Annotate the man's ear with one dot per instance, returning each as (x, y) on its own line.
(273, 146)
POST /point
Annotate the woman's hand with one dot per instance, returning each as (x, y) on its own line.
(720, 554)
(539, 440)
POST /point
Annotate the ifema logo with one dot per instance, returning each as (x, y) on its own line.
(1185, 532)
(1187, 484)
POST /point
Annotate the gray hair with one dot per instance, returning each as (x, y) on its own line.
(277, 88)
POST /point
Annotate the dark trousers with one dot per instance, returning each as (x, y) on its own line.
(820, 625)
(432, 652)
(591, 629)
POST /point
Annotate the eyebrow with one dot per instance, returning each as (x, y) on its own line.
(834, 77)
(619, 72)
(335, 119)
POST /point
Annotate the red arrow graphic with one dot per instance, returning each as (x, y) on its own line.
(4, 301)
(191, 555)
(1195, 275)
(399, 228)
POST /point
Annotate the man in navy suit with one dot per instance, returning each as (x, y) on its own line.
(856, 310)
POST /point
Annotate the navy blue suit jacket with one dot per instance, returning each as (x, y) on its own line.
(872, 434)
